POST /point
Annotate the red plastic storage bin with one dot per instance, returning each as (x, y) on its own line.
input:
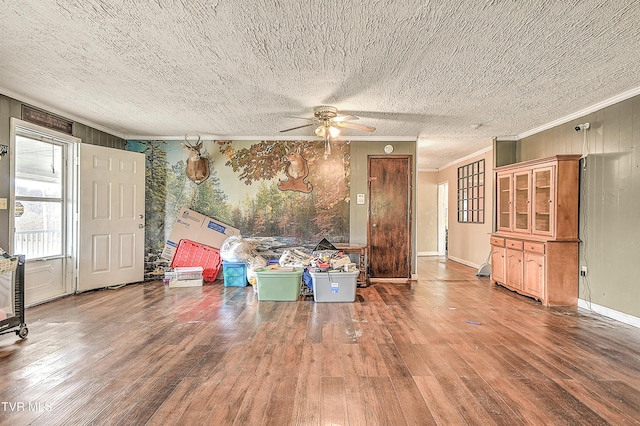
(190, 253)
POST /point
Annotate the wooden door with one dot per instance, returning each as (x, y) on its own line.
(111, 217)
(514, 269)
(498, 264)
(504, 201)
(542, 212)
(389, 230)
(534, 273)
(522, 201)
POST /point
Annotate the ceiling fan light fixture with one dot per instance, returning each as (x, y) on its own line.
(328, 125)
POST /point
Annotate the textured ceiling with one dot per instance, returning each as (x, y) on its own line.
(422, 70)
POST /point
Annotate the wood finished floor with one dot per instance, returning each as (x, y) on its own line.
(449, 349)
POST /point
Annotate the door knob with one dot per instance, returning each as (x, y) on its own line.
(374, 225)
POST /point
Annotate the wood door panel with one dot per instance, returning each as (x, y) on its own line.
(390, 217)
(534, 273)
(498, 265)
(514, 268)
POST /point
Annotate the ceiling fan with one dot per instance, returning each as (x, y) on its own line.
(328, 124)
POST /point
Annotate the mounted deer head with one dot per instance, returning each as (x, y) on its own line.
(197, 165)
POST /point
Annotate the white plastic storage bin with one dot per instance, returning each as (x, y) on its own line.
(334, 286)
(187, 277)
(189, 272)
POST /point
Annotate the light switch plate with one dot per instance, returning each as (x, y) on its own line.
(360, 199)
(3, 203)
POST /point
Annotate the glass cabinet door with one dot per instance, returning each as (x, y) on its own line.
(504, 202)
(543, 201)
(521, 202)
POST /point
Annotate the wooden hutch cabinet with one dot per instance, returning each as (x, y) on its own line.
(534, 250)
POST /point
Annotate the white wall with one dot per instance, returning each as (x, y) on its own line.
(469, 242)
(427, 213)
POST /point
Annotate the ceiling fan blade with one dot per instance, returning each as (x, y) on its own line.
(355, 126)
(344, 118)
(301, 118)
(298, 127)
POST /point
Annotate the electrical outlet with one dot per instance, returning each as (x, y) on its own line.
(583, 271)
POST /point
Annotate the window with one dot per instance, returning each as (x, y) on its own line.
(471, 192)
(39, 196)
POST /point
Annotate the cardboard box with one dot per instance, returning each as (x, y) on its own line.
(191, 225)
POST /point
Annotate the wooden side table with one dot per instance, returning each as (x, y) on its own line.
(361, 251)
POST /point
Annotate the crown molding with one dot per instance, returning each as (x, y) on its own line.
(586, 111)
(467, 157)
(25, 99)
(278, 138)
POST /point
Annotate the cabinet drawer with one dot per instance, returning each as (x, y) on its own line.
(514, 244)
(495, 241)
(534, 247)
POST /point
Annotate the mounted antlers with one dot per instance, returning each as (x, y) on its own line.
(197, 165)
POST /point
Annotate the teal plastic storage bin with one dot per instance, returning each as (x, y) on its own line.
(234, 273)
(282, 286)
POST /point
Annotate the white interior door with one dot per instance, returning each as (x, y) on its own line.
(111, 213)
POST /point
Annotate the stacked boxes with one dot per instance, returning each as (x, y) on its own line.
(235, 274)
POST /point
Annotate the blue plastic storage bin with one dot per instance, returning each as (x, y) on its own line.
(235, 274)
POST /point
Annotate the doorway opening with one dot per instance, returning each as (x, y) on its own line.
(443, 218)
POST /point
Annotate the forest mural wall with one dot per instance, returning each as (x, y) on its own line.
(280, 193)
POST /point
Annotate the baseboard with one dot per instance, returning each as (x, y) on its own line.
(390, 280)
(464, 262)
(609, 313)
(427, 253)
